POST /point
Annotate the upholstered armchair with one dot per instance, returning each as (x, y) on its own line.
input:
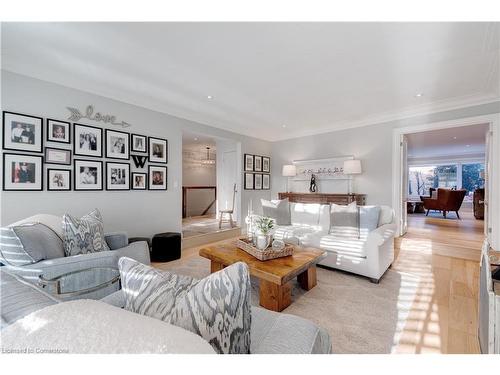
(447, 200)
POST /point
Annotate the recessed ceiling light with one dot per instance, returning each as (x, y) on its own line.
(419, 95)
(283, 126)
(454, 137)
(196, 139)
(467, 145)
(210, 97)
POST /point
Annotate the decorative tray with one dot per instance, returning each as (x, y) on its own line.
(244, 244)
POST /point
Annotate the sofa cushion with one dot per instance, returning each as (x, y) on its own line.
(12, 250)
(84, 235)
(40, 241)
(386, 215)
(52, 221)
(279, 210)
(344, 220)
(217, 307)
(305, 214)
(324, 218)
(292, 234)
(368, 218)
(352, 247)
(87, 326)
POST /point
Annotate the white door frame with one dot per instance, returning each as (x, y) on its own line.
(493, 190)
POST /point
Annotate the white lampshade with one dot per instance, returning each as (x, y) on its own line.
(352, 167)
(289, 171)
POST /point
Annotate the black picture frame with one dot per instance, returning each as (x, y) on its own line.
(76, 174)
(110, 187)
(69, 171)
(248, 178)
(47, 160)
(255, 159)
(55, 140)
(246, 159)
(5, 170)
(8, 145)
(132, 143)
(132, 177)
(127, 149)
(154, 159)
(268, 178)
(257, 186)
(268, 160)
(150, 180)
(76, 141)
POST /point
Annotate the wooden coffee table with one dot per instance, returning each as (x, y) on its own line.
(274, 275)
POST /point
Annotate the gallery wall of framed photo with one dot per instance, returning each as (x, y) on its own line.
(78, 157)
(257, 172)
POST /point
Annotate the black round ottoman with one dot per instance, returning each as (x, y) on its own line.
(166, 247)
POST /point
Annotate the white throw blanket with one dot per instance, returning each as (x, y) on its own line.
(89, 326)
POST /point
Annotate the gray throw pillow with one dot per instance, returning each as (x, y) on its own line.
(344, 220)
(84, 235)
(279, 210)
(216, 308)
(40, 241)
(12, 251)
(368, 217)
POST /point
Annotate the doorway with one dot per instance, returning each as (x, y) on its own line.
(208, 184)
(453, 158)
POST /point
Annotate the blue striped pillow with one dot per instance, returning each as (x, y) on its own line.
(12, 251)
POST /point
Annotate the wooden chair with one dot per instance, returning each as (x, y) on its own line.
(228, 212)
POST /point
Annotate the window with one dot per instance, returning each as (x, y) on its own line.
(451, 176)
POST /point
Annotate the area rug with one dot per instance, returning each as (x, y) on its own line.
(360, 317)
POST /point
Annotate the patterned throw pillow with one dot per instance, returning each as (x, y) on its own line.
(217, 308)
(84, 235)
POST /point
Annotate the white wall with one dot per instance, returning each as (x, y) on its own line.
(137, 212)
(372, 144)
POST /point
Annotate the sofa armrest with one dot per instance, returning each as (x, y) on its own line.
(116, 240)
(138, 251)
(382, 234)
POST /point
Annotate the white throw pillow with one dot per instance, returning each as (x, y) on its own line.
(344, 220)
(279, 210)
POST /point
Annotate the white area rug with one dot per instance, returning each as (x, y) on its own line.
(361, 317)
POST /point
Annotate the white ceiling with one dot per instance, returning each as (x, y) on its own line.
(310, 77)
(453, 142)
(194, 141)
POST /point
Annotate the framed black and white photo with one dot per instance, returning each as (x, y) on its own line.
(22, 132)
(58, 179)
(117, 144)
(22, 172)
(249, 181)
(248, 167)
(257, 163)
(58, 131)
(266, 164)
(117, 176)
(88, 174)
(139, 143)
(257, 184)
(57, 156)
(158, 150)
(266, 182)
(87, 141)
(157, 177)
(139, 181)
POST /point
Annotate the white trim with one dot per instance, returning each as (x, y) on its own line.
(494, 190)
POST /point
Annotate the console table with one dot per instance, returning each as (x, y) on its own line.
(345, 199)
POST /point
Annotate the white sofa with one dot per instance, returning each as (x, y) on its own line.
(369, 255)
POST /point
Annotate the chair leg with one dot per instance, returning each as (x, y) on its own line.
(458, 216)
(427, 213)
(444, 214)
(220, 221)
(231, 220)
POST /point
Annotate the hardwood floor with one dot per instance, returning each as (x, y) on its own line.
(444, 254)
